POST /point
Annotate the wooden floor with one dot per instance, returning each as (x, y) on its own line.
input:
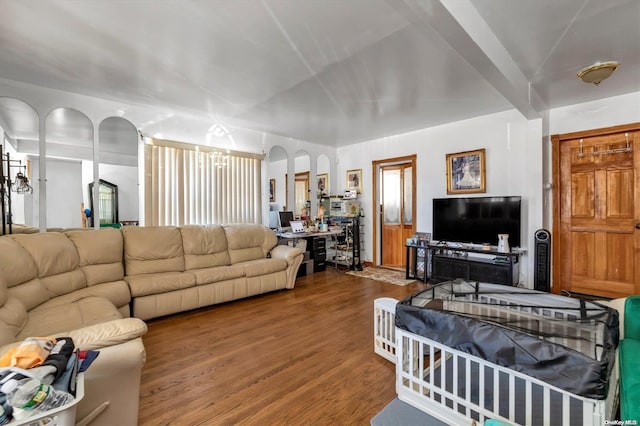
(296, 357)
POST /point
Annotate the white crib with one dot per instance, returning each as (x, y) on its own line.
(460, 388)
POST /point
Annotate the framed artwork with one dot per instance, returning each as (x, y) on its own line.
(272, 190)
(323, 184)
(354, 180)
(466, 172)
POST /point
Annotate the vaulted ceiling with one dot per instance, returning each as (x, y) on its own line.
(331, 72)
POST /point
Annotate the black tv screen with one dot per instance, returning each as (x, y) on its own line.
(477, 220)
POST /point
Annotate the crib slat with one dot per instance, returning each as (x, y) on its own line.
(455, 379)
(566, 412)
(432, 365)
(496, 390)
(467, 384)
(512, 398)
(528, 396)
(481, 385)
(546, 405)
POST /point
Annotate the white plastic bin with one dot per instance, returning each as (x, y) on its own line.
(61, 416)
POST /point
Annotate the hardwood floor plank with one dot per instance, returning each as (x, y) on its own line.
(301, 356)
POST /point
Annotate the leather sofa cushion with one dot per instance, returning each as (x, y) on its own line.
(57, 262)
(117, 292)
(249, 242)
(31, 293)
(148, 284)
(152, 249)
(204, 246)
(263, 266)
(100, 253)
(217, 274)
(13, 318)
(16, 264)
(52, 252)
(49, 319)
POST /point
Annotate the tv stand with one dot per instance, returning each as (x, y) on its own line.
(442, 262)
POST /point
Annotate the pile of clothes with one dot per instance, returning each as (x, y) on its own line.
(52, 361)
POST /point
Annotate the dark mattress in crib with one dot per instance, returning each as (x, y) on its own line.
(520, 329)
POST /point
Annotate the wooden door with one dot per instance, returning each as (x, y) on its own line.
(596, 248)
(396, 212)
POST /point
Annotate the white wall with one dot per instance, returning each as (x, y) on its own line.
(64, 193)
(623, 109)
(513, 163)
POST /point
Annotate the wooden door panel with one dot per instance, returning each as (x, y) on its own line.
(596, 248)
(583, 255)
(620, 252)
(391, 254)
(619, 198)
(582, 195)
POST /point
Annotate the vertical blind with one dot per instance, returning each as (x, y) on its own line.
(192, 184)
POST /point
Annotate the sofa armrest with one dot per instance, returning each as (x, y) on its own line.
(108, 333)
(112, 386)
(293, 256)
(286, 252)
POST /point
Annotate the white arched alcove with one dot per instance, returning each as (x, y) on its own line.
(20, 129)
(69, 148)
(118, 164)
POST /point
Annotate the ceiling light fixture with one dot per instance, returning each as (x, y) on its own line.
(597, 72)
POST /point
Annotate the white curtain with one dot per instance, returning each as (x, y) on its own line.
(192, 184)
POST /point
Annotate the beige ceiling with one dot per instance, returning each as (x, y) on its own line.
(332, 72)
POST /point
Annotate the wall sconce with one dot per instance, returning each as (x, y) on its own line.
(597, 72)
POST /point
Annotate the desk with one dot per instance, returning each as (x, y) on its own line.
(315, 250)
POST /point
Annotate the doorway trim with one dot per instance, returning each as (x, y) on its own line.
(375, 166)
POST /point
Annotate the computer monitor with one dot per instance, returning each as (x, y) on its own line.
(284, 219)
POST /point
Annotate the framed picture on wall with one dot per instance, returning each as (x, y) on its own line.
(272, 190)
(466, 172)
(323, 184)
(354, 180)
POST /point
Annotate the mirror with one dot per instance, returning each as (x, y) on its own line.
(118, 141)
(19, 122)
(107, 202)
(69, 140)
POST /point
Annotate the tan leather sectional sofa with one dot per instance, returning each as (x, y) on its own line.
(98, 286)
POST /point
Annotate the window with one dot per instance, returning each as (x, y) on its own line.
(193, 184)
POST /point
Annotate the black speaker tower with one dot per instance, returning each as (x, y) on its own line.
(542, 270)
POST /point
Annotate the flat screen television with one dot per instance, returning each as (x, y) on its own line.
(477, 220)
